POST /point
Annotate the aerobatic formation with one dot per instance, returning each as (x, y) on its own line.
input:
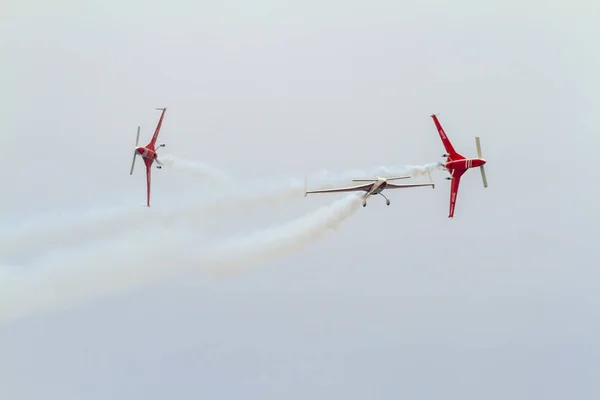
(456, 164)
(55, 262)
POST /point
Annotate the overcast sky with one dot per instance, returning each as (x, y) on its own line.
(398, 302)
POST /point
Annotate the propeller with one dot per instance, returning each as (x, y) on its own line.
(483, 176)
(137, 139)
(481, 168)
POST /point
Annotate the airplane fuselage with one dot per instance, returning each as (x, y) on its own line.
(146, 153)
(378, 186)
(465, 163)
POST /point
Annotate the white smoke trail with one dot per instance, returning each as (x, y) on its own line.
(383, 171)
(197, 168)
(273, 192)
(62, 280)
(66, 230)
(325, 177)
(262, 246)
(41, 236)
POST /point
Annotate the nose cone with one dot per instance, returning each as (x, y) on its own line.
(477, 162)
(139, 150)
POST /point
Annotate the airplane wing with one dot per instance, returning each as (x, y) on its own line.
(452, 154)
(158, 126)
(454, 190)
(356, 188)
(408, 185)
(148, 163)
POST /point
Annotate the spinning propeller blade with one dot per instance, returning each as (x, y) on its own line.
(483, 176)
(478, 146)
(133, 162)
(137, 140)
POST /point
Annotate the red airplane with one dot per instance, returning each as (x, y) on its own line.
(148, 152)
(457, 164)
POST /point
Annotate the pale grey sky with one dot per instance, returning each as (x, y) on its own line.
(397, 302)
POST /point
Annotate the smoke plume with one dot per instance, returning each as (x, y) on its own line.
(64, 279)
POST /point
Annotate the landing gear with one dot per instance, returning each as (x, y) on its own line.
(444, 155)
(449, 178)
(364, 203)
(159, 166)
(162, 145)
(387, 201)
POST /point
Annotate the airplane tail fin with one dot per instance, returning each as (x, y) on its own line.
(481, 168)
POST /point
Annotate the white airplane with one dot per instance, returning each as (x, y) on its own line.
(375, 186)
